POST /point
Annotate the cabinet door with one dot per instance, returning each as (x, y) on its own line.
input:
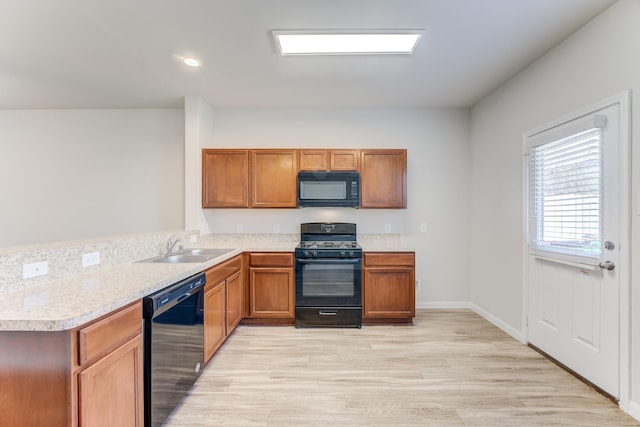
(272, 292)
(225, 178)
(214, 319)
(314, 160)
(329, 160)
(344, 160)
(383, 178)
(234, 301)
(274, 178)
(111, 390)
(388, 292)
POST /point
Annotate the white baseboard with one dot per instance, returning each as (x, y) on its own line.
(499, 323)
(634, 410)
(471, 306)
(444, 305)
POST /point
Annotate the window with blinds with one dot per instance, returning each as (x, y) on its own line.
(565, 190)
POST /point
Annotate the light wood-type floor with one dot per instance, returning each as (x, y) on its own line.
(452, 368)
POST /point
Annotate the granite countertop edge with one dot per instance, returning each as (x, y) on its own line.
(68, 303)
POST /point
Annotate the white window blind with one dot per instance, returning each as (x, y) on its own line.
(565, 190)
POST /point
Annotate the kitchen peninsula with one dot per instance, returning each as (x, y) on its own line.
(62, 339)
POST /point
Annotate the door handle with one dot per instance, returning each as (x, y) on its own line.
(607, 265)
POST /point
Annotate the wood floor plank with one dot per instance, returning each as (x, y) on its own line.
(452, 368)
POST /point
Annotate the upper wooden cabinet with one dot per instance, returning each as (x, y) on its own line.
(225, 178)
(383, 178)
(273, 178)
(329, 160)
(267, 178)
(249, 178)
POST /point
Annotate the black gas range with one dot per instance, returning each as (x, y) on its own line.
(328, 276)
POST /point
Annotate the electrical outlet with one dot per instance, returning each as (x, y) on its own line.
(417, 285)
(35, 269)
(194, 238)
(239, 228)
(90, 259)
(276, 228)
(423, 227)
(387, 228)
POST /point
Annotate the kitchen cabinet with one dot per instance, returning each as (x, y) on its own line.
(222, 303)
(225, 178)
(383, 178)
(249, 178)
(271, 288)
(215, 329)
(329, 160)
(267, 178)
(388, 287)
(273, 178)
(87, 376)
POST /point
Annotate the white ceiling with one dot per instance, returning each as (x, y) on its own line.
(127, 53)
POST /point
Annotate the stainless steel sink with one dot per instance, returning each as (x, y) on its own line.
(211, 253)
(189, 255)
(180, 258)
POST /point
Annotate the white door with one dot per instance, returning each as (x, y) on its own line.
(573, 252)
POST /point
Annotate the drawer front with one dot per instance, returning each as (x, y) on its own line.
(389, 259)
(272, 259)
(219, 272)
(107, 334)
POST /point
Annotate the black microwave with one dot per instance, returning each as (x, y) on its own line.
(329, 189)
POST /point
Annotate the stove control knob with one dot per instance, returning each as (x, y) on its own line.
(343, 253)
(351, 253)
(315, 253)
(306, 253)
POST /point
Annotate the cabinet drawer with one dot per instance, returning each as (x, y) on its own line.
(273, 259)
(219, 272)
(389, 259)
(107, 334)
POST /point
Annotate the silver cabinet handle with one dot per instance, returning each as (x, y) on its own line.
(327, 313)
(607, 265)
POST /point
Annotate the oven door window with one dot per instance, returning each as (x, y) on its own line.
(329, 283)
(328, 280)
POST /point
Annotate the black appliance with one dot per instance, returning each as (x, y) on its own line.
(173, 346)
(329, 189)
(328, 264)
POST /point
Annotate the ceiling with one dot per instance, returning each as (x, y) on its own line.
(128, 53)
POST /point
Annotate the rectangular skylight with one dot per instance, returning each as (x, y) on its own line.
(346, 42)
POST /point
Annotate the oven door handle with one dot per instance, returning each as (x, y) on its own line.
(329, 261)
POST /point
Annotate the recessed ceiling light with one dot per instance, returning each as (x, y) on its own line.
(192, 62)
(347, 42)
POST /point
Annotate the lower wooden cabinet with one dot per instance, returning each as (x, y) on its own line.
(271, 287)
(222, 303)
(88, 376)
(388, 289)
(215, 328)
(110, 390)
(234, 300)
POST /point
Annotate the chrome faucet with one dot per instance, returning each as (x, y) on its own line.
(171, 243)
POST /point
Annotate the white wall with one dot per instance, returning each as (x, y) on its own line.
(597, 62)
(437, 147)
(76, 174)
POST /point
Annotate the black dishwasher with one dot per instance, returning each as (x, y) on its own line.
(173, 346)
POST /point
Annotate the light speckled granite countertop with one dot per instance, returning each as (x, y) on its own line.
(69, 302)
(66, 303)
